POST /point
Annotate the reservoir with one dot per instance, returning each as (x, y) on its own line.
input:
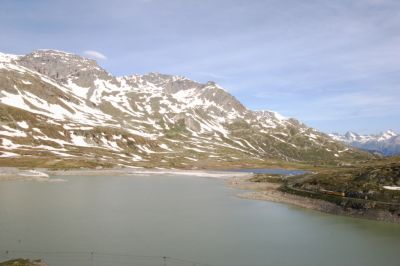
(166, 219)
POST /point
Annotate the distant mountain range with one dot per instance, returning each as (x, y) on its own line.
(387, 143)
(57, 107)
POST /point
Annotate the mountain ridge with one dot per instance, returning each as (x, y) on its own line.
(65, 106)
(387, 142)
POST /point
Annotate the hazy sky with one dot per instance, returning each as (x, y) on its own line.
(333, 64)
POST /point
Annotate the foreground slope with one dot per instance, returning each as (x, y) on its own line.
(61, 109)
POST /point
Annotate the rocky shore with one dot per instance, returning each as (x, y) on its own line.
(269, 191)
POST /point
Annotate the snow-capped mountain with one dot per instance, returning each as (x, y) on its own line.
(387, 143)
(60, 106)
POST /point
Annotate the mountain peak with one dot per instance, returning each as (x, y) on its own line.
(157, 77)
(387, 142)
(6, 58)
(49, 55)
(53, 51)
(387, 135)
(390, 133)
(63, 66)
(351, 135)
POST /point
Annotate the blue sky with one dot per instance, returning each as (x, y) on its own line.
(334, 65)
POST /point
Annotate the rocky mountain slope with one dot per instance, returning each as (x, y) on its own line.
(57, 107)
(387, 143)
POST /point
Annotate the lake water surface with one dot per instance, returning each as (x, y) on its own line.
(135, 220)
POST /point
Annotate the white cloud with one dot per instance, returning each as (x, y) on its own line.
(95, 55)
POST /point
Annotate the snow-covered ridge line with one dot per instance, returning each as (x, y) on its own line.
(352, 136)
(387, 143)
(152, 114)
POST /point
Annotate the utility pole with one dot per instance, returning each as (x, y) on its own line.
(164, 261)
(91, 258)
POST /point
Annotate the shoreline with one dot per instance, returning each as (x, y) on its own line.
(266, 191)
(42, 175)
(269, 192)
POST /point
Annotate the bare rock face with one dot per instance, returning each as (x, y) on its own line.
(171, 84)
(65, 67)
(62, 105)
